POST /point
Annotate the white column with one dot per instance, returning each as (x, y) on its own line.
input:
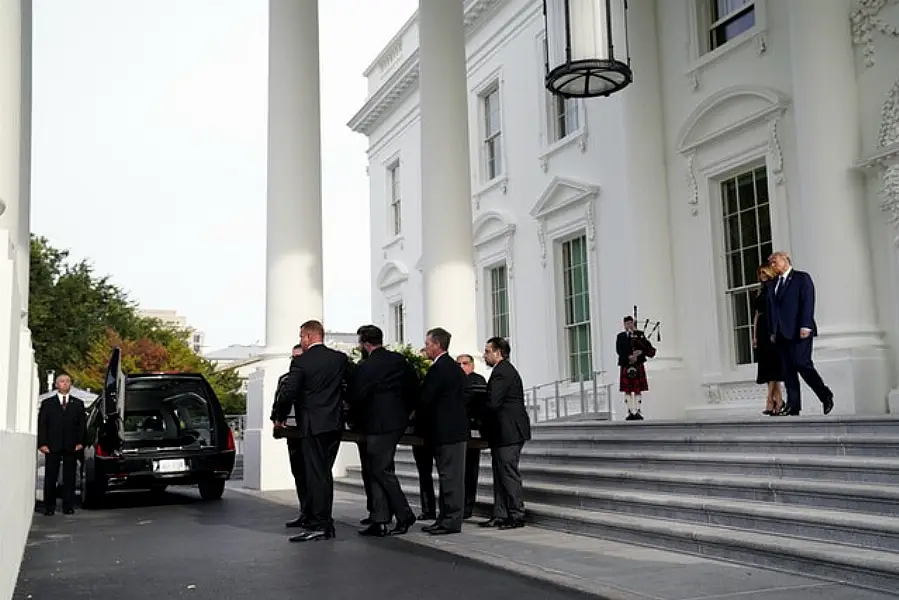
(23, 255)
(293, 289)
(448, 251)
(650, 278)
(827, 219)
(830, 231)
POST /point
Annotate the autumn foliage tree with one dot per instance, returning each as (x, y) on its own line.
(76, 318)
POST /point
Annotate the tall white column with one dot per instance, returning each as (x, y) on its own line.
(651, 277)
(293, 288)
(448, 251)
(293, 285)
(23, 256)
(828, 223)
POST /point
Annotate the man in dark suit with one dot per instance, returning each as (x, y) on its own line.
(424, 459)
(315, 385)
(384, 391)
(61, 431)
(791, 318)
(508, 427)
(293, 449)
(475, 396)
(447, 428)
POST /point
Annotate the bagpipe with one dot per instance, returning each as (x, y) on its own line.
(641, 339)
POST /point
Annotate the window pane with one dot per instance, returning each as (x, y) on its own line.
(761, 185)
(731, 233)
(749, 235)
(746, 191)
(734, 269)
(764, 221)
(751, 262)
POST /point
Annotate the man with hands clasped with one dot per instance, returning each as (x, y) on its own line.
(61, 431)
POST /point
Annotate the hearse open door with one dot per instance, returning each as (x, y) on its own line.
(112, 404)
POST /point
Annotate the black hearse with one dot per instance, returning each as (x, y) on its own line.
(153, 430)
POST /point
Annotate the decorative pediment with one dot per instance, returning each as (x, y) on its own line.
(562, 193)
(492, 225)
(727, 111)
(392, 273)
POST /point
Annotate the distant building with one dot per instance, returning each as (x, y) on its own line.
(195, 339)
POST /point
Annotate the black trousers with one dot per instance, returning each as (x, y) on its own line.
(387, 498)
(507, 492)
(366, 475)
(298, 470)
(472, 467)
(451, 471)
(68, 460)
(796, 361)
(319, 453)
(424, 461)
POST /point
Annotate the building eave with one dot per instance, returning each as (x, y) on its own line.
(405, 78)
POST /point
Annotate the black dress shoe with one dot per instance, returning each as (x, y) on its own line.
(828, 405)
(49, 512)
(313, 536)
(374, 530)
(366, 521)
(511, 524)
(402, 527)
(429, 528)
(493, 522)
(68, 511)
(298, 522)
(427, 517)
(443, 531)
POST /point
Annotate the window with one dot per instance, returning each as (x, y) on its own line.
(728, 19)
(748, 244)
(396, 204)
(576, 298)
(398, 319)
(493, 152)
(499, 302)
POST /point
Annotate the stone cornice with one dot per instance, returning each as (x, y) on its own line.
(405, 78)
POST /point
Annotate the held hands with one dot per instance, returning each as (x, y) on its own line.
(44, 449)
(805, 332)
(755, 342)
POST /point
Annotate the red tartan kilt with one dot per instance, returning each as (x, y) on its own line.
(633, 385)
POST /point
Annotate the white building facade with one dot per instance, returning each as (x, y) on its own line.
(751, 126)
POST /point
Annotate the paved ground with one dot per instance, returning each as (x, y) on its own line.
(176, 546)
(612, 570)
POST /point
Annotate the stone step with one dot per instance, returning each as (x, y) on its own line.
(882, 446)
(761, 425)
(868, 498)
(857, 469)
(237, 472)
(866, 567)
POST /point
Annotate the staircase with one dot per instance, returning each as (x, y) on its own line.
(237, 473)
(817, 495)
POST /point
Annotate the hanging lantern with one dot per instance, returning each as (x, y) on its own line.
(581, 61)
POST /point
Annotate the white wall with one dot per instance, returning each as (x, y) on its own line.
(720, 113)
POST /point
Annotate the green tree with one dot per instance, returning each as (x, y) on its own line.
(77, 317)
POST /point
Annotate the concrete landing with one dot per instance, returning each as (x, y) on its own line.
(606, 569)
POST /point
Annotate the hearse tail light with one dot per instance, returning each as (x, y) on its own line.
(231, 446)
(100, 451)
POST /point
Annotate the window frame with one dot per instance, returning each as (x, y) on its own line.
(572, 358)
(492, 140)
(711, 25)
(398, 321)
(394, 199)
(498, 319)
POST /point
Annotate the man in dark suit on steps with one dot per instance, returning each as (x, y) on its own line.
(316, 385)
(443, 395)
(61, 431)
(475, 395)
(384, 391)
(508, 427)
(791, 315)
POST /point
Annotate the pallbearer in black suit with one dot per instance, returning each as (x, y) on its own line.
(61, 431)
(475, 396)
(443, 395)
(384, 391)
(508, 427)
(294, 450)
(315, 385)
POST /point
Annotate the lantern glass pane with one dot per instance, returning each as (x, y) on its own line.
(589, 30)
(555, 33)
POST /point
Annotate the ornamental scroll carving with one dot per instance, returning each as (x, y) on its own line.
(866, 22)
(692, 184)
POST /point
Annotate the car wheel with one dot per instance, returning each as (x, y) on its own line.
(212, 490)
(91, 492)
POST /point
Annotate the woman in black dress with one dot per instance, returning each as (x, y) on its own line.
(766, 354)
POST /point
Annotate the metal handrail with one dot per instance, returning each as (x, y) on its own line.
(564, 398)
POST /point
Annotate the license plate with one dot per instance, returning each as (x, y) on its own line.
(170, 465)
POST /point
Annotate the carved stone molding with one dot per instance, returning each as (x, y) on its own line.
(889, 118)
(889, 193)
(591, 227)
(692, 184)
(510, 258)
(866, 21)
(541, 238)
(775, 151)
